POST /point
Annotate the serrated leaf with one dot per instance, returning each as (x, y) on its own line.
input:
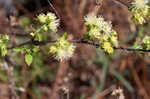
(28, 59)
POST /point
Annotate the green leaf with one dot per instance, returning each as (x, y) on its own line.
(28, 59)
(35, 49)
(121, 78)
(19, 49)
(64, 35)
(86, 36)
(25, 20)
(39, 36)
(3, 50)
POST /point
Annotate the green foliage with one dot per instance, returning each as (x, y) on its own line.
(20, 49)
(121, 78)
(28, 59)
(146, 42)
(97, 30)
(3, 44)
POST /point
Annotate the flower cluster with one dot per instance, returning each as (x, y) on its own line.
(146, 42)
(140, 10)
(98, 28)
(63, 49)
(3, 42)
(48, 22)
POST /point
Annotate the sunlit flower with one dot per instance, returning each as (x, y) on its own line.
(53, 25)
(63, 49)
(95, 32)
(51, 17)
(146, 42)
(107, 27)
(53, 49)
(140, 3)
(3, 50)
(49, 21)
(32, 34)
(42, 18)
(140, 10)
(105, 37)
(107, 47)
(101, 30)
(92, 19)
(114, 41)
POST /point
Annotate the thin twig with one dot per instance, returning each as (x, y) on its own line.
(54, 9)
(81, 41)
(124, 3)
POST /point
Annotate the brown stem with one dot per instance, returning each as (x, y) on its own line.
(137, 79)
(124, 3)
(62, 69)
(76, 41)
(24, 75)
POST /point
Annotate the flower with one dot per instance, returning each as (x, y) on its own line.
(107, 47)
(32, 34)
(48, 22)
(53, 49)
(65, 53)
(140, 3)
(63, 49)
(51, 17)
(107, 27)
(146, 42)
(4, 50)
(118, 92)
(114, 41)
(6, 37)
(53, 25)
(105, 37)
(95, 32)
(101, 30)
(45, 28)
(140, 10)
(41, 18)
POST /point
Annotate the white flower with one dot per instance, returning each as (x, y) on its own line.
(53, 25)
(92, 19)
(51, 16)
(63, 49)
(107, 27)
(65, 53)
(140, 3)
(53, 22)
(41, 18)
(118, 92)
(49, 21)
(95, 32)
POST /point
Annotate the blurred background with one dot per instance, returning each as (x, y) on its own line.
(89, 74)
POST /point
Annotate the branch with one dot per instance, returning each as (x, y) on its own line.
(81, 41)
(124, 3)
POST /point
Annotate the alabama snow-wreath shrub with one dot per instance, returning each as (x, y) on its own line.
(99, 33)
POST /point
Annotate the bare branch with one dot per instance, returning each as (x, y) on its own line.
(124, 3)
(81, 41)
